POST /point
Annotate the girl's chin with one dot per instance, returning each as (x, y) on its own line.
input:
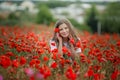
(65, 36)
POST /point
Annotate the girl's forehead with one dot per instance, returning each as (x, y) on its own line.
(63, 25)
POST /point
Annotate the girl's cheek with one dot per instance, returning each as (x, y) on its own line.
(60, 32)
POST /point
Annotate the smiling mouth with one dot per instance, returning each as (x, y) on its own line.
(65, 34)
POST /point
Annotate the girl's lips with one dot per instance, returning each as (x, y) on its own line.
(64, 34)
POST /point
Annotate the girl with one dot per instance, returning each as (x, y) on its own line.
(65, 39)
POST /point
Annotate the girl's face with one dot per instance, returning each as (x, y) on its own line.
(64, 30)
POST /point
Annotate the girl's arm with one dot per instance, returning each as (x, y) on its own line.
(60, 48)
(60, 44)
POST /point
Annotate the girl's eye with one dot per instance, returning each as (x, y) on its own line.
(66, 28)
(61, 29)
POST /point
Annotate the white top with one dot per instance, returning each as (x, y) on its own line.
(54, 46)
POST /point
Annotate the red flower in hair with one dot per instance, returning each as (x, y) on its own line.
(56, 30)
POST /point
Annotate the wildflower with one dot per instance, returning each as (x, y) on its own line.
(29, 72)
(1, 78)
(39, 76)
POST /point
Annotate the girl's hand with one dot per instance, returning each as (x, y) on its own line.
(71, 42)
(59, 37)
(70, 36)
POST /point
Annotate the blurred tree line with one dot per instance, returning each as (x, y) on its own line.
(11, 19)
(91, 18)
(54, 4)
(109, 19)
(44, 16)
(19, 18)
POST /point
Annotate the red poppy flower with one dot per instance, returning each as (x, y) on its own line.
(45, 71)
(72, 40)
(56, 30)
(118, 43)
(35, 57)
(15, 63)
(22, 60)
(64, 49)
(114, 75)
(55, 51)
(54, 65)
(5, 61)
(70, 74)
(89, 73)
(9, 54)
(82, 55)
(32, 62)
(78, 44)
(45, 58)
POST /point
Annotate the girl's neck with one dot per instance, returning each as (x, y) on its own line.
(65, 39)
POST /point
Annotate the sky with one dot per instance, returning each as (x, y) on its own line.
(91, 0)
(69, 0)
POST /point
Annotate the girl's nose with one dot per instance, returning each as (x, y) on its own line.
(64, 30)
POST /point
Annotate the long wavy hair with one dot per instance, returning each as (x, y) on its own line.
(71, 30)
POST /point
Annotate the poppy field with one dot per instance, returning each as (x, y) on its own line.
(25, 55)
